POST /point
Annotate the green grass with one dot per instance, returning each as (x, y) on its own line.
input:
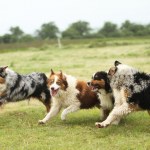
(19, 129)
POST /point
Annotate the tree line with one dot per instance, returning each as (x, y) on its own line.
(77, 30)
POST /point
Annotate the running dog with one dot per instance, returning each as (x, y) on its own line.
(69, 93)
(16, 87)
(101, 85)
(131, 89)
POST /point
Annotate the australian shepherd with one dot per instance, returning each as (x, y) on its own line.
(101, 85)
(15, 87)
(131, 89)
(69, 93)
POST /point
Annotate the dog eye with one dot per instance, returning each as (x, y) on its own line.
(58, 82)
(51, 81)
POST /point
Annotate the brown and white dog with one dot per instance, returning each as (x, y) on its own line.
(101, 85)
(69, 93)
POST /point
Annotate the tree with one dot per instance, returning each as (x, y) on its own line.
(147, 28)
(48, 31)
(7, 38)
(109, 30)
(26, 38)
(16, 32)
(132, 29)
(78, 29)
(1, 39)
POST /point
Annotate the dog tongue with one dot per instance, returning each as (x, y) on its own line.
(93, 88)
(54, 92)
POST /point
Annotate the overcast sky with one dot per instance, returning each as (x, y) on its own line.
(29, 15)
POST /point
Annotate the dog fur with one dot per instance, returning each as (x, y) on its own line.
(101, 85)
(131, 90)
(16, 87)
(69, 93)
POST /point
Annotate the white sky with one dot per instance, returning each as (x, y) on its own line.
(29, 15)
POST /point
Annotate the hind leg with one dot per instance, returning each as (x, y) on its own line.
(148, 112)
(46, 100)
(47, 105)
(105, 113)
(1, 104)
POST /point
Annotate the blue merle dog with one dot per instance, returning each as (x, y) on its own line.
(131, 90)
(16, 87)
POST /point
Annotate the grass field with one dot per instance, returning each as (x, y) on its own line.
(19, 129)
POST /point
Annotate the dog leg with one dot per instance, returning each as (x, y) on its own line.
(105, 113)
(1, 104)
(53, 112)
(116, 122)
(116, 114)
(70, 109)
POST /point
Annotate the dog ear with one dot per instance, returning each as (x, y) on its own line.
(61, 74)
(4, 68)
(116, 63)
(52, 72)
(112, 71)
(63, 77)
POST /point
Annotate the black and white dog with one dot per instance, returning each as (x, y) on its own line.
(101, 85)
(15, 87)
(131, 89)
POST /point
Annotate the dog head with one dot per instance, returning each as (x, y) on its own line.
(99, 81)
(121, 69)
(3, 71)
(113, 70)
(57, 82)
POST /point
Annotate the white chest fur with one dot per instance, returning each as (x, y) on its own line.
(118, 95)
(68, 97)
(106, 99)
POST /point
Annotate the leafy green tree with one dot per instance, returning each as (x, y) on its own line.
(147, 28)
(48, 31)
(1, 39)
(78, 29)
(27, 38)
(16, 33)
(7, 38)
(109, 30)
(132, 29)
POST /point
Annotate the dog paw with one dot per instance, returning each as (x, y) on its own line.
(41, 122)
(101, 124)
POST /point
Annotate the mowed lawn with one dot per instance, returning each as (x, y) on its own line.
(19, 129)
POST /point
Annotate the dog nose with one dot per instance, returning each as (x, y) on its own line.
(52, 88)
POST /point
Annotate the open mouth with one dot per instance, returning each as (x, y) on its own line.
(94, 88)
(54, 92)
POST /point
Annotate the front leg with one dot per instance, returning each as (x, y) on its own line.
(104, 114)
(53, 112)
(71, 108)
(116, 114)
